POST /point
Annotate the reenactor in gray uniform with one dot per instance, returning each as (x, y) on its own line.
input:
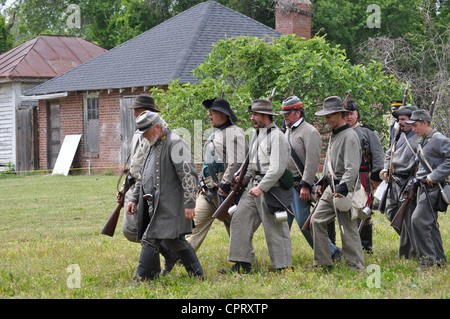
(139, 150)
(306, 147)
(168, 187)
(433, 173)
(344, 159)
(267, 164)
(401, 158)
(371, 165)
(224, 152)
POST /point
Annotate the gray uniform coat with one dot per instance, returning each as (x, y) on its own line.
(372, 151)
(169, 174)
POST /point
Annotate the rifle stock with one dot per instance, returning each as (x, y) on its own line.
(222, 212)
(382, 203)
(307, 225)
(111, 224)
(410, 194)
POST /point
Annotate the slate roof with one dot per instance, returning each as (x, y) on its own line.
(169, 51)
(46, 56)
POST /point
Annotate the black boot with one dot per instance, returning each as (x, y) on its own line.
(239, 267)
(149, 266)
(190, 261)
(170, 258)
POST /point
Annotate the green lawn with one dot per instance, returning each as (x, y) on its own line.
(50, 237)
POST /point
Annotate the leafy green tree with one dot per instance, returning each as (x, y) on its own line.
(245, 68)
(420, 58)
(6, 39)
(345, 22)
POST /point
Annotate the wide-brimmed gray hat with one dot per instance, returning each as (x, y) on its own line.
(144, 101)
(145, 121)
(332, 104)
(220, 105)
(405, 110)
(262, 106)
(419, 115)
(290, 104)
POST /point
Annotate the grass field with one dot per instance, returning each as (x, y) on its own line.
(51, 247)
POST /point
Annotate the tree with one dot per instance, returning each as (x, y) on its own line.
(244, 68)
(420, 58)
(6, 39)
(348, 22)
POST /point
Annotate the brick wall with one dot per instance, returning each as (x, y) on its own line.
(297, 21)
(71, 111)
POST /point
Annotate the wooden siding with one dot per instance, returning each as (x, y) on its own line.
(7, 138)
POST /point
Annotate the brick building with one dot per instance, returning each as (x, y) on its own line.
(92, 99)
(22, 68)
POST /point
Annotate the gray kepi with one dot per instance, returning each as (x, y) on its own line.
(420, 115)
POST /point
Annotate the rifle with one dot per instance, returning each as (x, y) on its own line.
(405, 94)
(347, 97)
(382, 203)
(222, 212)
(110, 226)
(409, 195)
(433, 106)
(323, 182)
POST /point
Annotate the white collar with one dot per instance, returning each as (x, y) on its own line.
(297, 123)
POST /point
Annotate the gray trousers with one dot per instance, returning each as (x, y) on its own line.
(425, 229)
(130, 222)
(393, 202)
(203, 220)
(251, 213)
(351, 242)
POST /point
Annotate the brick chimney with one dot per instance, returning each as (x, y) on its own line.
(293, 17)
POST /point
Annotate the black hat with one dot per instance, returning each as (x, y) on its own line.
(352, 105)
(405, 110)
(221, 105)
(395, 104)
(144, 101)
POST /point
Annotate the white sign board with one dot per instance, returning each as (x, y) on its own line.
(66, 154)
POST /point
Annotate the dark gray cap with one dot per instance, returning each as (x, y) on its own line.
(419, 115)
(404, 110)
